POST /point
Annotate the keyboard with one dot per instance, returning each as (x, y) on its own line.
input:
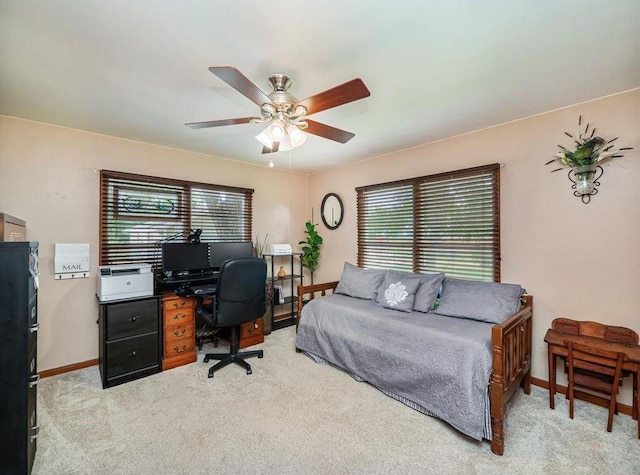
(202, 289)
(178, 279)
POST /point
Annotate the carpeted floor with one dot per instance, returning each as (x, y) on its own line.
(295, 416)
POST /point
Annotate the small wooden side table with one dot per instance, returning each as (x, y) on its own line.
(598, 335)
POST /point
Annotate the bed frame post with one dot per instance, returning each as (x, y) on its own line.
(511, 343)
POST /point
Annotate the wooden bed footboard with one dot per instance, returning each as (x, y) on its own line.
(311, 290)
(511, 348)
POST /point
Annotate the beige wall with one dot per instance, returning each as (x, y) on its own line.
(49, 178)
(580, 261)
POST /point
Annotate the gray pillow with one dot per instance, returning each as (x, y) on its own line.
(489, 302)
(427, 292)
(398, 291)
(360, 283)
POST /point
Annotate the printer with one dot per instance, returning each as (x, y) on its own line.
(281, 249)
(124, 281)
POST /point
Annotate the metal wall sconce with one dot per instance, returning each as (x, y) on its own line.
(585, 181)
(583, 158)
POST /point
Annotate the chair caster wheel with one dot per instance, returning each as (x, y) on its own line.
(210, 374)
(261, 354)
(249, 371)
(206, 360)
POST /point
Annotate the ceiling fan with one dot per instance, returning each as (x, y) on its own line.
(286, 115)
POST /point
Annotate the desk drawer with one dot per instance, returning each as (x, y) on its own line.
(176, 332)
(178, 316)
(179, 346)
(132, 318)
(174, 303)
(251, 333)
(251, 329)
(132, 354)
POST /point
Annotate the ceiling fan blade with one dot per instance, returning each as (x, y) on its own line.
(218, 123)
(276, 146)
(328, 132)
(241, 83)
(342, 94)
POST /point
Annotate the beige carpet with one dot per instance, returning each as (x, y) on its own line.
(295, 416)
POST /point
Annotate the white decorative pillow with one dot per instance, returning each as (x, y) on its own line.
(398, 291)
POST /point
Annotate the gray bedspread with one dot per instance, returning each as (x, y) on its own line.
(441, 364)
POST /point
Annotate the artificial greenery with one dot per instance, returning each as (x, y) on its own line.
(260, 245)
(311, 248)
(587, 149)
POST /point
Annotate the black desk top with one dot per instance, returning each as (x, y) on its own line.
(188, 279)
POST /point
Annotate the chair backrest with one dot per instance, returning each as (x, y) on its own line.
(596, 330)
(240, 293)
(597, 360)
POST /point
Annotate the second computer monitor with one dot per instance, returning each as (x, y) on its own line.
(223, 251)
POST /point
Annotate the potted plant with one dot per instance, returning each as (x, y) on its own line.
(311, 248)
(587, 152)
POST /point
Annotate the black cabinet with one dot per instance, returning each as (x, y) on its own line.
(130, 340)
(18, 355)
(284, 304)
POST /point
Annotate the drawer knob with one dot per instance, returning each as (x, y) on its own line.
(134, 318)
(133, 353)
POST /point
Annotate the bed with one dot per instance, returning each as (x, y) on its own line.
(461, 370)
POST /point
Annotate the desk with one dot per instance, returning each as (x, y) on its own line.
(596, 335)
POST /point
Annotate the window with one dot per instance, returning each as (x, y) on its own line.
(138, 213)
(449, 222)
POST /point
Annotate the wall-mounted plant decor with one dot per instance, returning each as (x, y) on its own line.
(583, 158)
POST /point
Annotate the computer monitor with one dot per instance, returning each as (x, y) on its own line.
(185, 257)
(223, 251)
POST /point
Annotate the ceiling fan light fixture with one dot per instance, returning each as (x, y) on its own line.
(299, 111)
(264, 139)
(276, 131)
(285, 116)
(269, 109)
(297, 136)
(285, 144)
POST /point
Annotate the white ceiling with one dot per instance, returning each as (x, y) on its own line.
(138, 68)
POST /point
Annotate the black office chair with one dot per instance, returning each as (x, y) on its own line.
(240, 298)
(205, 328)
